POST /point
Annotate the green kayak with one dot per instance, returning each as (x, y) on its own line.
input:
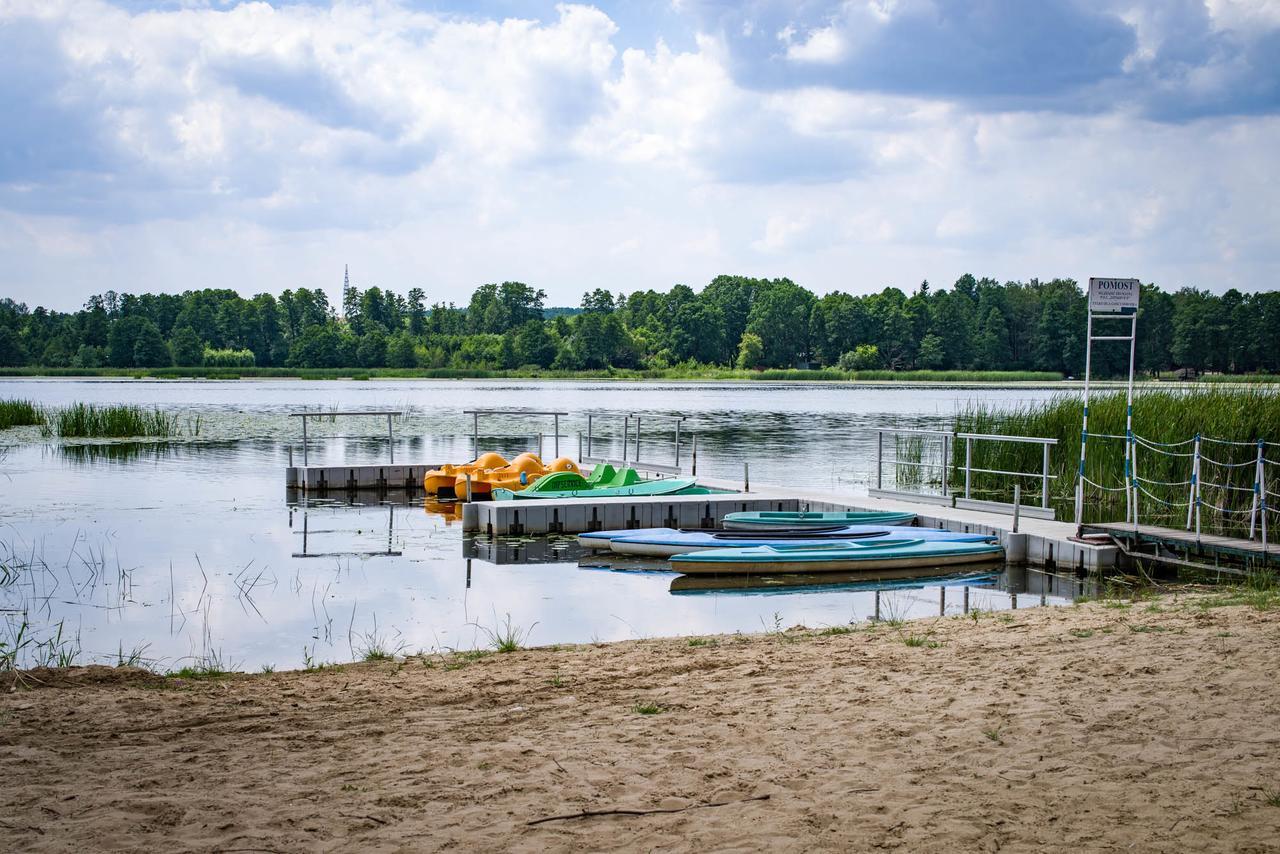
(778, 520)
(670, 486)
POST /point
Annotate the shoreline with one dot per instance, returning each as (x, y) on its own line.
(1142, 723)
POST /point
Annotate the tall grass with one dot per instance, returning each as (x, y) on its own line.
(1162, 418)
(20, 413)
(87, 420)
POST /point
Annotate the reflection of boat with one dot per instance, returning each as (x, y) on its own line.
(450, 510)
(763, 585)
(667, 542)
(756, 519)
(604, 482)
(842, 556)
(440, 481)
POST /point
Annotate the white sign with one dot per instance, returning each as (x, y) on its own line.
(1113, 295)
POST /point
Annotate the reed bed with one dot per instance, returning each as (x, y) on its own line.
(87, 420)
(1230, 421)
(20, 413)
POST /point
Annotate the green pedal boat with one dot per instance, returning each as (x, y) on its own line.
(780, 520)
(604, 482)
(836, 557)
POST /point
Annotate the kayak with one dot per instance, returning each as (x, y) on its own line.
(602, 540)
(667, 543)
(843, 556)
(755, 520)
(825, 582)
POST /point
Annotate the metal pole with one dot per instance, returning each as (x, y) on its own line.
(946, 474)
(1134, 461)
(626, 437)
(677, 444)
(1084, 426)
(579, 446)
(1044, 478)
(1197, 484)
(1191, 491)
(475, 435)
(305, 460)
(1017, 505)
(467, 497)
(879, 459)
(589, 454)
(1257, 491)
(746, 477)
(695, 454)
(968, 465)
(557, 442)
(291, 456)
(1130, 478)
(637, 457)
(539, 451)
(391, 442)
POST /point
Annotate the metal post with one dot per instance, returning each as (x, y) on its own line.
(291, 456)
(539, 451)
(391, 441)
(579, 446)
(626, 437)
(1017, 505)
(637, 456)
(475, 435)
(746, 477)
(589, 454)
(968, 465)
(879, 459)
(1197, 488)
(1084, 426)
(1257, 491)
(468, 495)
(1193, 491)
(1133, 453)
(557, 442)
(946, 474)
(677, 444)
(305, 461)
(1044, 478)
(1130, 478)
(695, 454)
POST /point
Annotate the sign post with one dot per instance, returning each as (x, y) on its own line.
(1111, 299)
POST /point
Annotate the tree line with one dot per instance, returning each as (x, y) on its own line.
(977, 324)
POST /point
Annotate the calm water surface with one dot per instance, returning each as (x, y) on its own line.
(189, 549)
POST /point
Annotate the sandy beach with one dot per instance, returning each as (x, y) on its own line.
(1148, 726)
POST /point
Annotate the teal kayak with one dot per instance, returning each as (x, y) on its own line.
(662, 542)
(755, 520)
(836, 557)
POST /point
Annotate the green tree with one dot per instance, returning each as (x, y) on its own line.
(149, 349)
(864, 357)
(188, 349)
(371, 352)
(750, 351)
(400, 351)
(534, 345)
(780, 317)
(930, 355)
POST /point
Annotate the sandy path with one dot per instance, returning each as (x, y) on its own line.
(1088, 728)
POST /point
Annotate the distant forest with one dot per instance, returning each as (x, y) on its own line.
(978, 324)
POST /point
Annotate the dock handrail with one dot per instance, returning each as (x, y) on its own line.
(586, 452)
(475, 425)
(944, 465)
(389, 413)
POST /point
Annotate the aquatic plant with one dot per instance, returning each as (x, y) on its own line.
(1167, 422)
(87, 420)
(20, 413)
(505, 636)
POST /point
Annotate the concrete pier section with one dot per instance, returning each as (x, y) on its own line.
(319, 479)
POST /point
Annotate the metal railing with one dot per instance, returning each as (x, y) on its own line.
(475, 425)
(944, 465)
(586, 445)
(391, 441)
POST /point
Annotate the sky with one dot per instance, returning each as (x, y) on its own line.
(164, 146)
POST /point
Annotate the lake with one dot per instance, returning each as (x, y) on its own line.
(182, 551)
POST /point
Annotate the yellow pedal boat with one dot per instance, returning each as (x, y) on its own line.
(440, 481)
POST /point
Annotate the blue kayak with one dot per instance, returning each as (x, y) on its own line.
(602, 540)
(755, 520)
(666, 542)
(847, 556)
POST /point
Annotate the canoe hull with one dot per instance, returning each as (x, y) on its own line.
(755, 521)
(867, 564)
(670, 547)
